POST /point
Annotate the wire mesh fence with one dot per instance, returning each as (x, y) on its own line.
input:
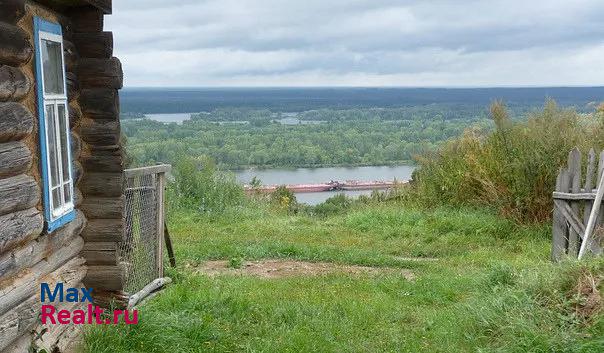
(140, 251)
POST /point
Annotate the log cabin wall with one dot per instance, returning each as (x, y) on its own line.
(28, 254)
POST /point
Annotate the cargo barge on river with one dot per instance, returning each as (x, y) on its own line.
(330, 186)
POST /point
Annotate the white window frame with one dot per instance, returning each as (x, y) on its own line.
(63, 211)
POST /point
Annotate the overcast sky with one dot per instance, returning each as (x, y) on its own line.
(359, 42)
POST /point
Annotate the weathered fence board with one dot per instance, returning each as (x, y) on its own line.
(573, 203)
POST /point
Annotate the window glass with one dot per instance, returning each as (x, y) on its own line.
(53, 157)
(52, 64)
(63, 129)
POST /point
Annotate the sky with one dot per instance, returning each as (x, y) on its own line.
(404, 43)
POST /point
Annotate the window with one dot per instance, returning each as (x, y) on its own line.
(55, 152)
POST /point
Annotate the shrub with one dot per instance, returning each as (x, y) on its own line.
(334, 205)
(284, 199)
(513, 168)
(198, 184)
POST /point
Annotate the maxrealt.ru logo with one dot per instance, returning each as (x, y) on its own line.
(92, 315)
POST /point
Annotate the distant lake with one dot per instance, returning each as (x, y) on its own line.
(180, 117)
(323, 175)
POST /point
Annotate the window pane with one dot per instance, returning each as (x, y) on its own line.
(52, 64)
(67, 190)
(56, 198)
(64, 129)
(52, 145)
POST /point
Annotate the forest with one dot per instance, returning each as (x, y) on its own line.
(238, 138)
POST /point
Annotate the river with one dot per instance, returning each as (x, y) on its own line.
(322, 175)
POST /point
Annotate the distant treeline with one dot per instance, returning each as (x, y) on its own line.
(348, 137)
(186, 100)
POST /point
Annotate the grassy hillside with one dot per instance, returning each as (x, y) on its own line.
(490, 289)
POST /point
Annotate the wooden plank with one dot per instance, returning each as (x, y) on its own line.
(15, 159)
(94, 44)
(18, 193)
(105, 73)
(19, 227)
(573, 220)
(103, 230)
(150, 170)
(587, 238)
(589, 182)
(100, 257)
(12, 10)
(15, 48)
(169, 247)
(574, 167)
(102, 184)
(16, 122)
(560, 227)
(573, 197)
(103, 207)
(14, 84)
(26, 256)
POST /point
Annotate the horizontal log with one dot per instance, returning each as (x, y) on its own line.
(15, 158)
(18, 193)
(100, 103)
(576, 197)
(19, 227)
(150, 288)
(100, 132)
(73, 86)
(94, 44)
(21, 319)
(26, 256)
(75, 115)
(12, 10)
(15, 48)
(104, 73)
(14, 84)
(103, 230)
(15, 290)
(86, 19)
(71, 56)
(103, 207)
(100, 256)
(102, 184)
(16, 121)
(107, 150)
(96, 163)
(104, 278)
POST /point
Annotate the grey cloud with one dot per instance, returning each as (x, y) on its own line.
(350, 38)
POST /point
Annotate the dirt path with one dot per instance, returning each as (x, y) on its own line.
(290, 268)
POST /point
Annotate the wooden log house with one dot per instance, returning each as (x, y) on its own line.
(61, 163)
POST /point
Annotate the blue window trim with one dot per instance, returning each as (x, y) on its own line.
(41, 25)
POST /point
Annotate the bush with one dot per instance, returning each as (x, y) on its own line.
(198, 184)
(513, 168)
(334, 205)
(284, 199)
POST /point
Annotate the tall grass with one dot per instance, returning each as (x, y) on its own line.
(512, 169)
(199, 185)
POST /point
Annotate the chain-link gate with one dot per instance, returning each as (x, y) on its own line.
(140, 251)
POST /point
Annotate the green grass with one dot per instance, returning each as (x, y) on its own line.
(492, 289)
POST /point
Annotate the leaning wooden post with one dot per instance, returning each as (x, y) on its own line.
(592, 218)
